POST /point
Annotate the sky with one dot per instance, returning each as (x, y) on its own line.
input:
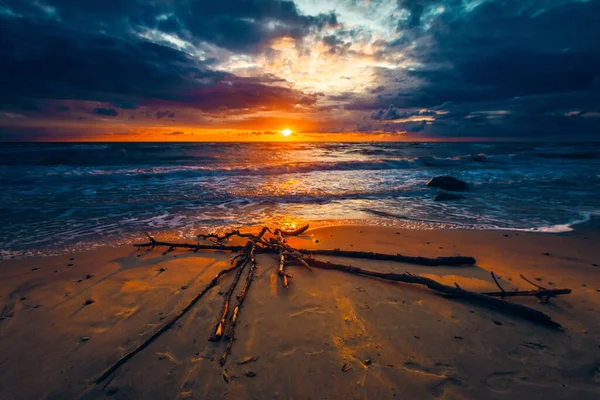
(327, 70)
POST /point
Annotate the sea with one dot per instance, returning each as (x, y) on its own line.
(64, 197)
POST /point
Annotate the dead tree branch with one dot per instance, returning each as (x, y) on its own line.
(237, 309)
(275, 248)
(241, 264)
(541, 293)
(516, 309)
(165, 327)
(277, 245)
(429, 262)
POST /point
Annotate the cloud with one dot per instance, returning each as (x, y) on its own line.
(108, 112)
(176, 133)
(468, 67)
(39, 60)
(256, 133)
(165, 113)
(393, 113)
(240, 26)
(512, 54)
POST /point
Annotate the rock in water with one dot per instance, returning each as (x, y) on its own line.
(480, 158)
(448, 183)
(445, 196)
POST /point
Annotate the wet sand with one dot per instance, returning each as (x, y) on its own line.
(330, 335)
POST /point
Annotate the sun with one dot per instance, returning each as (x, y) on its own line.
(286, 132)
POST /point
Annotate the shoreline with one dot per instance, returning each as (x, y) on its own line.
(589, 224)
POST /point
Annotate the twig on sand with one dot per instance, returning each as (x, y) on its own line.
(497, 284)
(531, 283)
(541, 293)
(165, 327)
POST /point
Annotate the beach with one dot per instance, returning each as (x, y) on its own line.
(66, 319)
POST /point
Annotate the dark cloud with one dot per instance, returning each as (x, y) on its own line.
(393, 113)
(176, 133)
(108, 112)
(242, 26)
(539, 58)
(493, 67)
(42, 60)
(165, 113)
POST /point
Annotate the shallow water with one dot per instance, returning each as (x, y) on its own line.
(58, 196)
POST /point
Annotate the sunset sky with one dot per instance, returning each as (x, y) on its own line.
(240, 70)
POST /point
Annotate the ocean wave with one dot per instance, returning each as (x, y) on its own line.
(444, 162)
(90, 147)
(568, 153)
(241, 170)
(495, 159)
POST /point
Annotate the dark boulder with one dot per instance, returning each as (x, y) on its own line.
(480, 158)
(445, 196)
(448, 183)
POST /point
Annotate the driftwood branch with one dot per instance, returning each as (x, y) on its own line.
(165, 327)
(241, 264)
(236, 311)
(516, 309)
(282, 274)
(277, 245)
(531, 283)
(497, 284)
(541, 293)
(430, 262)
(276, 249)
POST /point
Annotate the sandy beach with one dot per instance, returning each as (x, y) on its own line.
(330, 335)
